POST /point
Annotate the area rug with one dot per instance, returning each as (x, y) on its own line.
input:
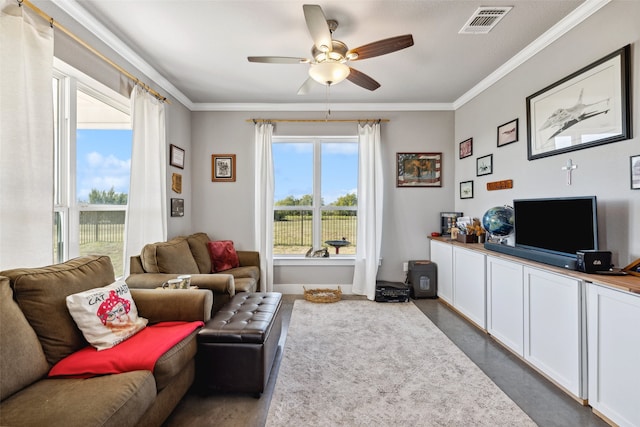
(362, 363)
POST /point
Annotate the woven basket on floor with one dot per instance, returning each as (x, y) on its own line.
(322, 295)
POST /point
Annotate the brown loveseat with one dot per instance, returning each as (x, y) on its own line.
(159, 262)
(37, 331)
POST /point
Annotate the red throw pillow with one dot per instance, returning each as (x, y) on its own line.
(223, 255)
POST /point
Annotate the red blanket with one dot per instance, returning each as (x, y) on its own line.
(140, 352)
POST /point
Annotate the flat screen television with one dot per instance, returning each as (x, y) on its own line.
(559, 226)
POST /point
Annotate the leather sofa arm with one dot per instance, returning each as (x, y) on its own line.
(162, 305)
(249, 258)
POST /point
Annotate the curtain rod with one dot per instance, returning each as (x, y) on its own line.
(91, 49)
(317, 120)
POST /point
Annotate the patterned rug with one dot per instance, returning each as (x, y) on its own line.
(362, 363)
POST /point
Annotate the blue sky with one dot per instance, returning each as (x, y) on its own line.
(339, 170)
(104, 161)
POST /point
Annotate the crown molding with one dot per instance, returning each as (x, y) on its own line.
(582, 12)
(322, 107)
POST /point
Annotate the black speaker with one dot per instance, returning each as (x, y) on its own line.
(592, 261)
(422, 278)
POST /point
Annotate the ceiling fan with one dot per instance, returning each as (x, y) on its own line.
(328, 65)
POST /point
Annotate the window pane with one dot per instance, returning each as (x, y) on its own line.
(339, 173)
(292, 231)
(340, 227)
(293, 173)
(103, 164)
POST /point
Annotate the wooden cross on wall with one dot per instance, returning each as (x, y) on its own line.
(570, 167)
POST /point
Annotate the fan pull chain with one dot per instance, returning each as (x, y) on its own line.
(327, 92)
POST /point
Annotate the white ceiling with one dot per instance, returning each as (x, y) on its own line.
(199, 48)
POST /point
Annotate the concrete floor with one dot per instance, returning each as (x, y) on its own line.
(546, 404)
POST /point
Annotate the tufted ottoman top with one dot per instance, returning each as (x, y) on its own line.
(247, 318)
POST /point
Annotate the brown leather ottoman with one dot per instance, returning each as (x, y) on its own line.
(237, 347)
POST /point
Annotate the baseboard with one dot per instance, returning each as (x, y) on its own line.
(298, 289)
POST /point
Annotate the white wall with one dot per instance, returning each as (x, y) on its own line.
(602, 171)
(225, 210)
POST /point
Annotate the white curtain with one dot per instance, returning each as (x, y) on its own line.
(264, 203)
(26, 138)
(147, 208)
(370, 198)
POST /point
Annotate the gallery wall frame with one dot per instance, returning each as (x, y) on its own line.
(223, 167)
(508, 133)
(466, 148)
(418, 169)
(176, 183)
(176, 156)
(177, 207)
(484, 165)
(635, 172)
(466, 190)
(588, 108)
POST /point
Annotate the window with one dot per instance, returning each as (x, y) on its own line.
(92, 168)
(316, 194)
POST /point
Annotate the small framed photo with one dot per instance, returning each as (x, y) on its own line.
(419, 170)
(635, 172)
(508, 133)
(176, 183)
(176, 156)
(466, 190)
(466, 148)
(223, 167)
(177, 207)
(484, 165)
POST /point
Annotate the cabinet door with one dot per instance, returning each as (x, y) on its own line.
(554, 333)
(505, 303)
(614, 350)
(469, 292)
(441, 254)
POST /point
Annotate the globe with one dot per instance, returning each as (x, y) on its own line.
(498, 221)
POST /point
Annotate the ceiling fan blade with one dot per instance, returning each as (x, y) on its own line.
(306, 86)
(362, 80)
(382, 47)
(278, 60)
(318, 27)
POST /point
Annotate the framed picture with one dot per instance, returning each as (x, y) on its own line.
(508, 133)
(177, 207)
(419, 170)
(176, 156)
(176, 183)
(588, 108)
(466, 148)
(466, 190)
(484, 165)
(635, 172)
(223, 167)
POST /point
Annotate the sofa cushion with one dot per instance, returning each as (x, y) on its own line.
(223, 255)
(198, 245)
(106, 316)
(41, 294)
(109, 400)
(22, 360)
(173, 256)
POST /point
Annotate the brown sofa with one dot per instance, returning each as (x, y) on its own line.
(36, 331)
(162, 261)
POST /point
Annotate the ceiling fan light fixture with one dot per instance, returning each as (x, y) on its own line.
(329, 73)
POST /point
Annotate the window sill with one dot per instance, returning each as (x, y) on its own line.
(305, 261)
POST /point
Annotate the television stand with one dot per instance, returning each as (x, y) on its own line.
(562, 261)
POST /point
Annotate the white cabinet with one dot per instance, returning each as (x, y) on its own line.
(554, 333)
(442, 255)
(469, 291)
(505, 303)
(614, 351)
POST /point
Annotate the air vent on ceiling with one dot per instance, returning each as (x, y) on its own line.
(484, 19)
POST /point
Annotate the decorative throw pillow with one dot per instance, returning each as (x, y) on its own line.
(106, 316)
(223, 255)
